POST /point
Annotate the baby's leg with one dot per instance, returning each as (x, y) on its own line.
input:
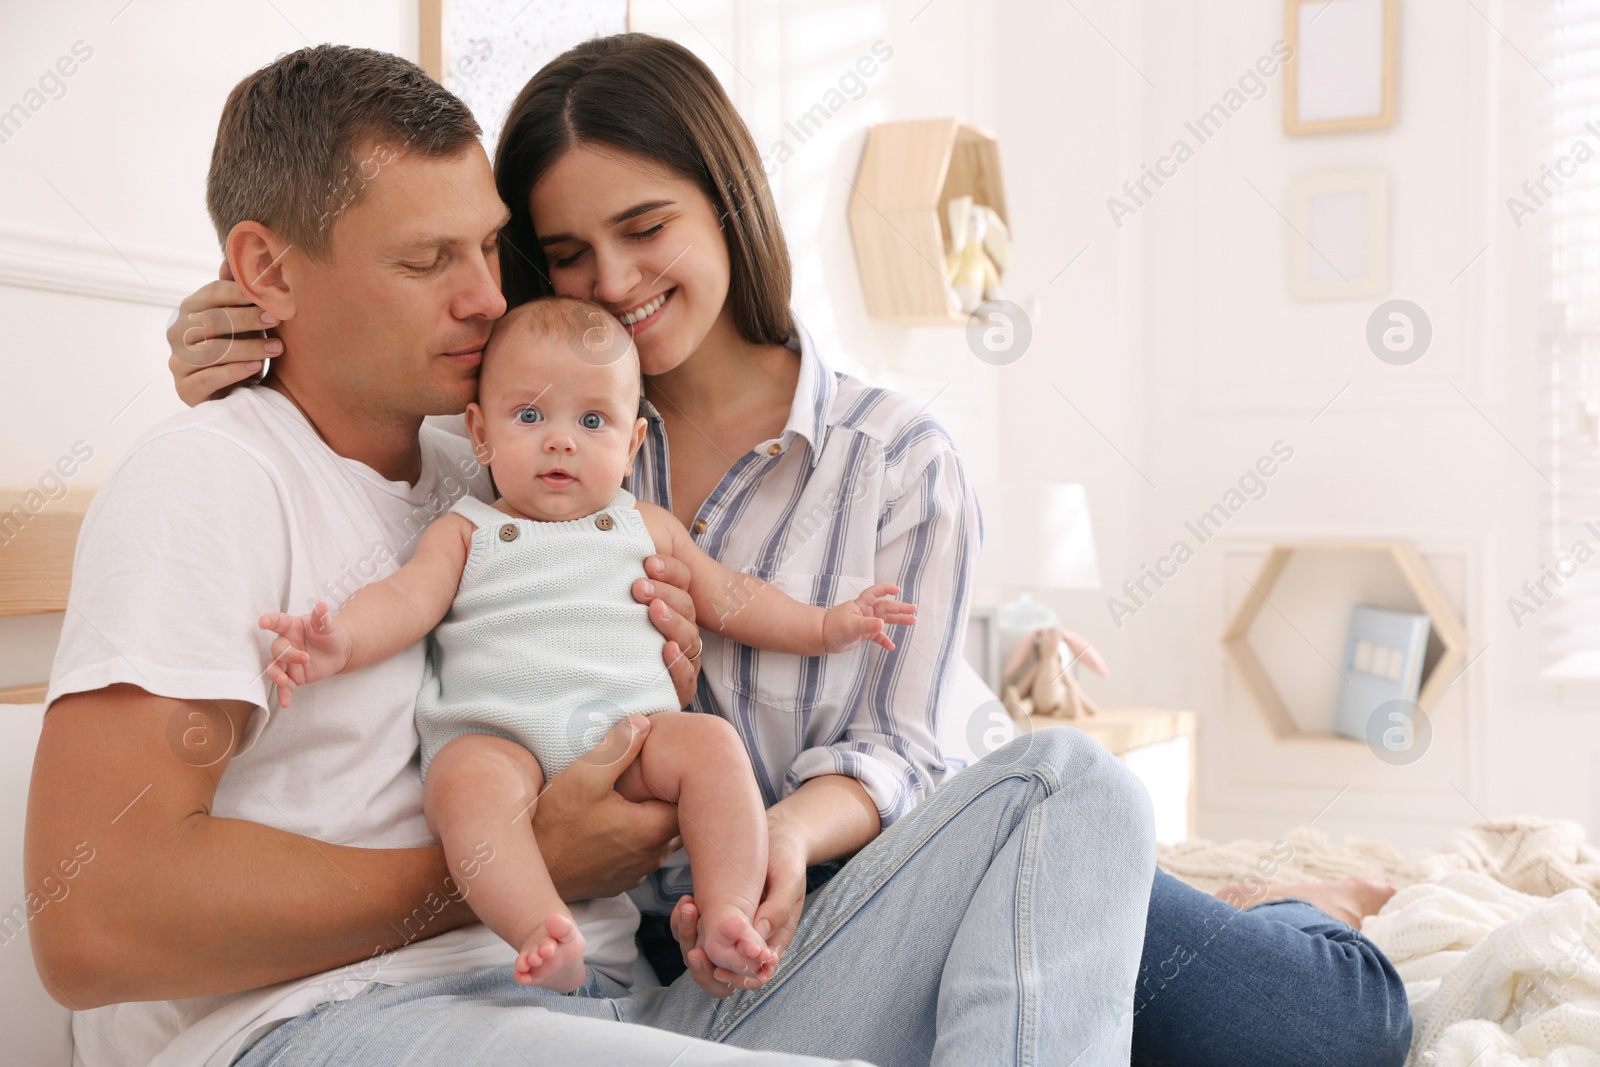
(698, 763)
(479, 795)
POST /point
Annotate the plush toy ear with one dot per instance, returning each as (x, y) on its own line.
(1083, 652)
(1019, 657)
(996, 239)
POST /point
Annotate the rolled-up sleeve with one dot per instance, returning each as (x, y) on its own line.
(929, 535)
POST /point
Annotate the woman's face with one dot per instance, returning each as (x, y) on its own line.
(621, 230)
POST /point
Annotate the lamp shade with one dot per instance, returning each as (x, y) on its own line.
(1037, 536)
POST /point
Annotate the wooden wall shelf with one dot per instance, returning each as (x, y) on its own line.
(1253, 675)
(36, 549)
(909, 171)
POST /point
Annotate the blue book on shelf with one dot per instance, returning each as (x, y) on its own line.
(1382, 662)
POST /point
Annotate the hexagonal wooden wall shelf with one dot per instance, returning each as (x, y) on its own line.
(909, 171)
(1264, 694)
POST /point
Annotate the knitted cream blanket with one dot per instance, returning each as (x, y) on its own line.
(1496, 936)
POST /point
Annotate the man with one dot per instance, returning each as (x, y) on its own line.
(264, 887)
(230, 857)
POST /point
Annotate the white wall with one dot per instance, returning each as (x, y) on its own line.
(102, 195)
(1069, 106)
(1193, 360)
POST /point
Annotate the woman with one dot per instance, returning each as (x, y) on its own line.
(633, 182)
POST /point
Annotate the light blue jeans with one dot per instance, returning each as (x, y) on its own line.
(1001, 922)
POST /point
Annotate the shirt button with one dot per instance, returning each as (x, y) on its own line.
(604, 522)
(699, 526)
(508, 532)
(774, 449)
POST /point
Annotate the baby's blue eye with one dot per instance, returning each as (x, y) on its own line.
(529, 416)
(592, 421)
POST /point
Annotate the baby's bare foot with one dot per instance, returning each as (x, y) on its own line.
(1349, 899)
(553, 956)
(730, 942)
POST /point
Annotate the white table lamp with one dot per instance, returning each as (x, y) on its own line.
(1035, 536)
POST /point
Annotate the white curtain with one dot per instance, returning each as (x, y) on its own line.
(1570, 298)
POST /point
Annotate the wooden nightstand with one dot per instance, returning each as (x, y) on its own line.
(1158, 746)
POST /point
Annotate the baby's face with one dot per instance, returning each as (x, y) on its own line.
(559, 432)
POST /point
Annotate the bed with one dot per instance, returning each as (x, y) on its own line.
(1490, 933)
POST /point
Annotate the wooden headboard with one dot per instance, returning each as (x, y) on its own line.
(37, 538)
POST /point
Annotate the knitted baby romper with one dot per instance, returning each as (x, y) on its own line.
(544, 644)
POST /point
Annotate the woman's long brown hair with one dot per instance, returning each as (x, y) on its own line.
(654, 98)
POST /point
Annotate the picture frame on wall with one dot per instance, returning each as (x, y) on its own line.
(1342, 72)
(485, 51)
(1339, 249)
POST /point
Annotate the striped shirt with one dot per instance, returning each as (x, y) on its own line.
(861, 487)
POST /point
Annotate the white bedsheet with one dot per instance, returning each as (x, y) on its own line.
(1496, 978)
(1496, 935)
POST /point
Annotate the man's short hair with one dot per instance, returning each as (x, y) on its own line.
(300, 139)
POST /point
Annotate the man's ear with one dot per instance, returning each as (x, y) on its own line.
(476, 433)
(256, 255)
(639, 426)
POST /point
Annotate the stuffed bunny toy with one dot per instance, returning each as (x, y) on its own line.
(1036, 679)
(980, 244)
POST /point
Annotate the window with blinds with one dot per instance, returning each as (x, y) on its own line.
(1565, 195)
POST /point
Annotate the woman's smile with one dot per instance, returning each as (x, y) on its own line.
(646, 314)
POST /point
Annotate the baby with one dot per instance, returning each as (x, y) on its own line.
(540, 648)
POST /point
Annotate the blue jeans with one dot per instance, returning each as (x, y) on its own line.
(999, 923)
(1275, 985)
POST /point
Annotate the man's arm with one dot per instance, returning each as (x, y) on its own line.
(178, 903)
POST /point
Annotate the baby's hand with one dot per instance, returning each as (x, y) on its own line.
(862, 619)
(309, 648)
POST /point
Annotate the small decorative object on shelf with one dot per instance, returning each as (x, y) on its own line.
(900, 208)
(1418, 581)
(1382, 663)
(980, 246)
(1038, 677)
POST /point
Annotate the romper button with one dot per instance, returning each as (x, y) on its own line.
(699, 526)
(508, 532)
(774, 449)
(604, 522)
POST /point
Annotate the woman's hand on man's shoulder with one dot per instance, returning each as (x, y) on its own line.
(218, 339)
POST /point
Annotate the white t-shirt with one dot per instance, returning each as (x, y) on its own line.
(219, 514)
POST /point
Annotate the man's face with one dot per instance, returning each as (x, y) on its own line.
(398, 313)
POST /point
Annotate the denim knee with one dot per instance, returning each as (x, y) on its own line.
(1074, 759)
(1364, 1013)
(1379, 1029)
